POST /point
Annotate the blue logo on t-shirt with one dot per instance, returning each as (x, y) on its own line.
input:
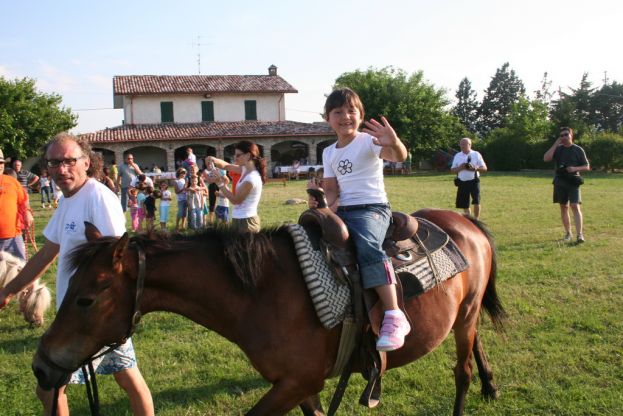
(71, 227)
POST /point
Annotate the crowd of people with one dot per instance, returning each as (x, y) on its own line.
(351, 178)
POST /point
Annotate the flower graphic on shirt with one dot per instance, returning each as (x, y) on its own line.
(345, 166)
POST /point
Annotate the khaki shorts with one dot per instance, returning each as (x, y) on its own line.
(248, 225)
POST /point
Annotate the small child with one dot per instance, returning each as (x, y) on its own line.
(46, 189)
(149, 206)
(222, 208)
(195, 196)
(165, 204)
(182, 200)
(140, 199)
(354, 187)
(133, 205)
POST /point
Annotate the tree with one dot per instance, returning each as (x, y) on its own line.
(414, 108)
(544, 94)
(575, 110)
(466, 108)
(29, 118)
(523, 140)
(607, 104)
(504, 90)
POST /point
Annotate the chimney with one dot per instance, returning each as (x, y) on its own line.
(272, 70)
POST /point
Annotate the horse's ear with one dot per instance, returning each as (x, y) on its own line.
(119, 250)
(91, 232)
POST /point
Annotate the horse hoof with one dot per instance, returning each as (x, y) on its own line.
(490, 394)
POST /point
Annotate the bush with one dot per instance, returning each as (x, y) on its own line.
(605, 151)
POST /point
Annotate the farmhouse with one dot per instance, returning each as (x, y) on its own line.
(163, 115)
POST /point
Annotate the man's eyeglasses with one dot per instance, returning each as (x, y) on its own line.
(236, 155)
(69, 162)
(564, 134)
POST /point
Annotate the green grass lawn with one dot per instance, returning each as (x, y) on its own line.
(562, 353)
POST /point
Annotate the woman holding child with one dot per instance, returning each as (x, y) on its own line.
(252, 170)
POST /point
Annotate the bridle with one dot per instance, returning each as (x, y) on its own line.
(135, 319)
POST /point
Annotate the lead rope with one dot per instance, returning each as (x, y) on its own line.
(91, 386)
(55, 402)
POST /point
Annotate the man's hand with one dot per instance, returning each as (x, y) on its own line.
(28, 218)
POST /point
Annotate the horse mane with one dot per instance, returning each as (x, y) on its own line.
(245, 252)
(34, 300)
(10, 266)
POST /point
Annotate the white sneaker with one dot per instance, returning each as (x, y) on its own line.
(580, 239)
(567, 237)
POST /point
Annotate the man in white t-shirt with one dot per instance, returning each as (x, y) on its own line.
(69, 161)
(468, 164)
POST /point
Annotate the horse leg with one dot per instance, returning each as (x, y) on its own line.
(464, 338)
(312, 406)
(284, 396)
(489, 390)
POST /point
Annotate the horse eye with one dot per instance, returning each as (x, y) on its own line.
(84, 302)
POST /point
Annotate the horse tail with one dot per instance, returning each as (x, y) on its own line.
(490, 301)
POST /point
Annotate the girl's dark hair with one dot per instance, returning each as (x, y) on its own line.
(342, 96)
(246, 146)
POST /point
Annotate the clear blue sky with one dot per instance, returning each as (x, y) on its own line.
(74, 48)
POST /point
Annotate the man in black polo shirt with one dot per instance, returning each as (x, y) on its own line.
(570, 161)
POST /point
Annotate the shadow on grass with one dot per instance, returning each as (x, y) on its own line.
(171, 398)
(18, 345)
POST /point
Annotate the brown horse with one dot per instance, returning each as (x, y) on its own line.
(249, 289)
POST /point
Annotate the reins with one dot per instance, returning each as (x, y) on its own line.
(87, 367)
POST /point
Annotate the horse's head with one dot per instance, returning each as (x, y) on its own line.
(96, 310)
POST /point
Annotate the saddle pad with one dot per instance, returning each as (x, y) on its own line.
(330, 296)
(418, 277)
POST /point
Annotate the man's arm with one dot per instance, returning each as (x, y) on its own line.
(34, 180)
(37, 265)
(549, 155)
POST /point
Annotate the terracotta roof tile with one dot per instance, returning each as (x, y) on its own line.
(199, 84)
(207, 130)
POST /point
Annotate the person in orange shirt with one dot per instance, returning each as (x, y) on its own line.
(16, 213)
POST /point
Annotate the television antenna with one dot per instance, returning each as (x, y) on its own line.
(198, 44)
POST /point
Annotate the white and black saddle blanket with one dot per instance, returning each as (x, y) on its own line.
(331, 296)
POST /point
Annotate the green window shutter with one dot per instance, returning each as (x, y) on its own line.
(250, 110)
(166, 111)
(207, 111)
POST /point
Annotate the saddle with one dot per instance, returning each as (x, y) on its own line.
(408, 240)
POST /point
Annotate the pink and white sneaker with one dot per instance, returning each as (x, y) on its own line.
(393, 331)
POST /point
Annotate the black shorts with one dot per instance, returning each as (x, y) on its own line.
(565, 194)
(212, 188)
(465, 190)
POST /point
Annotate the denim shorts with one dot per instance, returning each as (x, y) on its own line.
(367, 226)
(222, 213)
(14, 245)
(121, 358)
(182, 208)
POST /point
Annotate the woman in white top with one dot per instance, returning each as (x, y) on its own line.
(252, 168)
